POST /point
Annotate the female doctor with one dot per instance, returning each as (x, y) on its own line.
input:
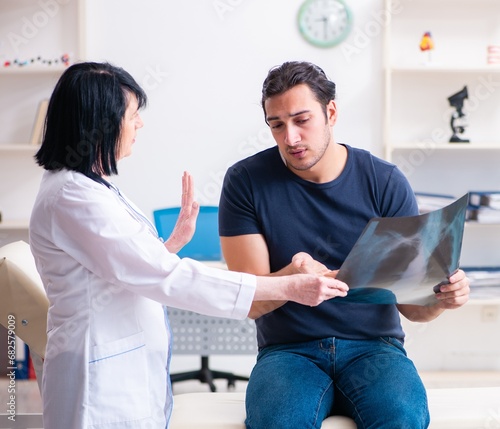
(106, 272)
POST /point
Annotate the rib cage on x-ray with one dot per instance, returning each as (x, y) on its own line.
(402, 259)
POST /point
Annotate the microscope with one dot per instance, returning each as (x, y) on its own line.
(458, 119)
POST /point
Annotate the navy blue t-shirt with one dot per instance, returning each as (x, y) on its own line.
(261, 195)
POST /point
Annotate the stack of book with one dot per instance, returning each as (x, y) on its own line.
(39, 124)
(484, 206)
(428, 202)
(484, 281)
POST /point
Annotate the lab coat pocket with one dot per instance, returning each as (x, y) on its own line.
(118, 381)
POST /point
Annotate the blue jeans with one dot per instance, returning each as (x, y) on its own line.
(297, 386)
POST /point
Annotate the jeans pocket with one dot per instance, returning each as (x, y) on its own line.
(118, 381)
(394, 342)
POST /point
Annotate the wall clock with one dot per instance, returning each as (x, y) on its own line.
(324, 23)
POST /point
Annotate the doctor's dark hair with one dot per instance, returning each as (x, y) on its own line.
(84, 119)
(284, 77)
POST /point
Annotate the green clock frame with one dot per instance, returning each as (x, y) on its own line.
(323, 10)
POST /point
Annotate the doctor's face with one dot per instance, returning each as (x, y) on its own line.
(131, 122)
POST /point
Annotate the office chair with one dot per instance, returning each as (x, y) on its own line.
(205, 244)
(194, 333)
(24, 303)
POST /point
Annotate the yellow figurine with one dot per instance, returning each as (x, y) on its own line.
(427, 44)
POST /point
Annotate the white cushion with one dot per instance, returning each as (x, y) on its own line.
(457, 408)
(464, 408)
(224, 411)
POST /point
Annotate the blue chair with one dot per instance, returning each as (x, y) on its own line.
(194, 333)
(205, 244)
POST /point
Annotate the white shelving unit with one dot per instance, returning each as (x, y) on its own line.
(417, 113)
(36, 34)
(418, 84)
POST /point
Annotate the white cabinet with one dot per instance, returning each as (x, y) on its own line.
(458, 340)
(417, 86)
(481, 245)
(36, 39)
(417, 112)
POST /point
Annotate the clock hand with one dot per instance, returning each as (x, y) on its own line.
(325, 25)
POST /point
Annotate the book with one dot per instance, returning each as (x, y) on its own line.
(483, 214)
(483, 276)
(22, 359)
(428, 202)
(485, 198)
(405, 259)
(484, 282)
(39, 124)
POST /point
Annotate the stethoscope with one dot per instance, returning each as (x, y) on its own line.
(131, 209)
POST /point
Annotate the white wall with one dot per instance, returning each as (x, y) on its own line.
(202, 63)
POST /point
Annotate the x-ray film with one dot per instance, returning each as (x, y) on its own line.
(404, 260)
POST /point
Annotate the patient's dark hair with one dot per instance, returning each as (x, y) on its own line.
(284, 77)
(84, 119)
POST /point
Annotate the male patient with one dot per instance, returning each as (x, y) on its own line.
(300, 207)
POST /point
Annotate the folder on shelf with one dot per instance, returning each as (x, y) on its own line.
(428, 202)
(489, 199)
(22, 360)
(483, 214)
(483, 276)
(484, 206)
(484, 282)
(37, 132)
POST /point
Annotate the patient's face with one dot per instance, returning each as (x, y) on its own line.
(300, 128)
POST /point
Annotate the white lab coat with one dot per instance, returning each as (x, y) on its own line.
(106, 277)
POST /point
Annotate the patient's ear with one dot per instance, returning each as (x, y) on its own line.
(331, 112)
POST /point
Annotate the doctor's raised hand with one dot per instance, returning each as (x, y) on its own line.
(186, 223)
(106, 272)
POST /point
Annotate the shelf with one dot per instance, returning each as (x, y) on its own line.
(435, 68)
(493, 300)
(18, 148)
(36, 31)
(419, 85)
(11, 225)
(461, 30)
(446, 146)
(476, 224)
(30, 70)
